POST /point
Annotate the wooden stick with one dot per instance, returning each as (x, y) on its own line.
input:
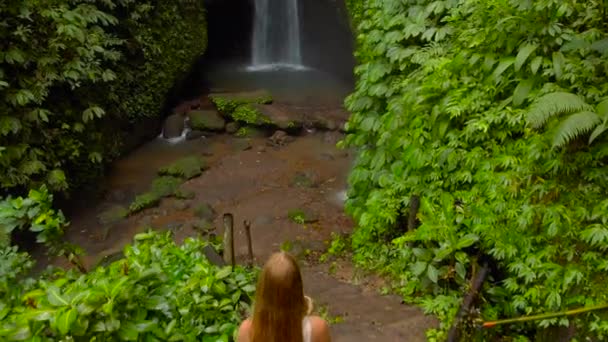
(229, 239)
(477, 280)
(247, 225)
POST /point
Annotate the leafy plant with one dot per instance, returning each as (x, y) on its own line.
(582, 117)
(449, 174)
(158, 292)
(77, 76)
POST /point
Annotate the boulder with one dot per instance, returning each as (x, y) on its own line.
(173, 126)
(232, 127)
(227, 103)
(280, 118)
(206, 120)
(280, 138)
(205, 211)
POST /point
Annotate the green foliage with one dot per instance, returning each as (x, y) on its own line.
(440, 112)
(34, 213)
(583, 117)
(237, 106)
(297, 216)
(144, 201)
(169, 183)
(73, 73)
(250, 115)
(158, 292)
(188, 167)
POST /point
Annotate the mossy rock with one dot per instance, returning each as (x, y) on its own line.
(232, 127)
(280, 118)
(227, 103)
(250, 115)
(203, 226)
(188, 167)
(144, 201)
(112, 215)
(205, 211)
(206, 120)
(166, 186)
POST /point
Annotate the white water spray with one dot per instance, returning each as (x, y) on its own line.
(276, 36)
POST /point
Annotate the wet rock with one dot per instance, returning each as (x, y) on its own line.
(325, 124)
(192, 135)
(173, 126)
(112, 215)
(241, 144)
(251, 132)
(280, 138)
(280, 118)
(203, 226)
(205, 211)
(232, 127)
(305, 179)
(303, 216)
(206, 120)
(185, 194)
(181, 205)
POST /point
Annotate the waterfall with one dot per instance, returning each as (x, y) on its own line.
(276, 35)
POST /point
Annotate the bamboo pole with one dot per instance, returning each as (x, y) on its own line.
(229, 239)
(247, 225)
(572, 312)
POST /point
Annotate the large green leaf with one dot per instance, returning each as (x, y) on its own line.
(523, 55)
(574, 126)
(554, 104)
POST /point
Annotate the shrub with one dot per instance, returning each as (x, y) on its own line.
(158, 292)
(451, 173)
(73, 74)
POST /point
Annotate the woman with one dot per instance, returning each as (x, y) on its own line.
(281, 311)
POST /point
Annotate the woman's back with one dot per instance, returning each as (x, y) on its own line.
(314, 329)
(281, 311)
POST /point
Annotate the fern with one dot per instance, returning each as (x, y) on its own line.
(574, 126)
(554, 104)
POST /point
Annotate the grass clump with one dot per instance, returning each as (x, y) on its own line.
(188, 167)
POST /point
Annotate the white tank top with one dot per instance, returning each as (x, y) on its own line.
(307, 330)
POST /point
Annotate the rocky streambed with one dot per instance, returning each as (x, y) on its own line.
(273, 164)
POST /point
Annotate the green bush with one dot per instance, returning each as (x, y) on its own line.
(73, 73)
(442, 117)
(158, 292)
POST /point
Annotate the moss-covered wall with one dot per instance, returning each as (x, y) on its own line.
(81, 77)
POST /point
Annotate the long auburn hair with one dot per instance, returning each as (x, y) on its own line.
(280, 305)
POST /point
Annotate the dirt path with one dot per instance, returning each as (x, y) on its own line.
(263, 184)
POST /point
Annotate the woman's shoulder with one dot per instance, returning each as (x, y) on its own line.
(244, 331)
(320, 329)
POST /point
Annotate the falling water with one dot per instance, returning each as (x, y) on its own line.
(276, 35)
